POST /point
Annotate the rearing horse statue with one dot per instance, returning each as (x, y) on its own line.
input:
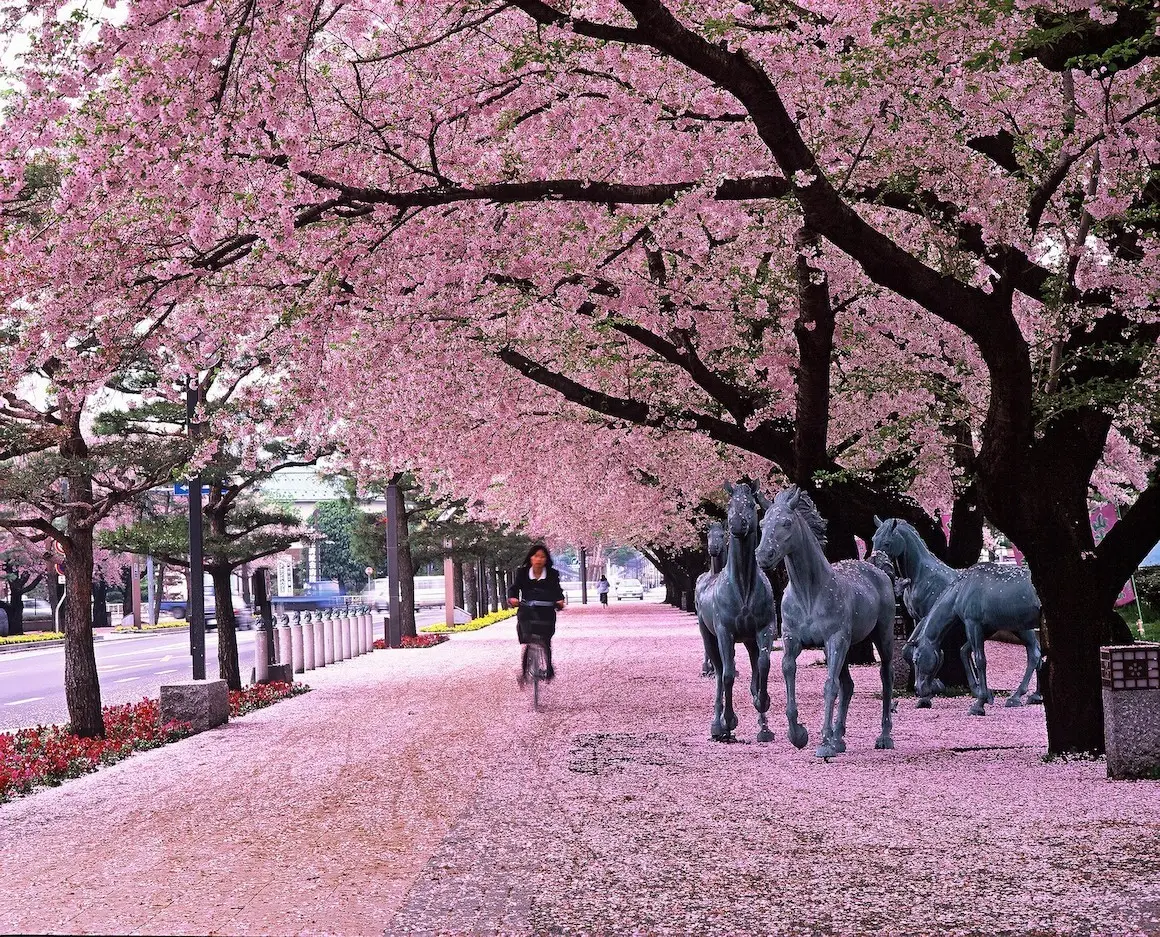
(718, 539)
(986, 598)
(740, 605)
(826, 606)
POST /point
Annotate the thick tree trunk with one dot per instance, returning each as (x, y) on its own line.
(15, 606)
(457, 575)
(82, 688)
(100, 609)
(966, 543)
(52, 590)
(229, 668)
(406, 572)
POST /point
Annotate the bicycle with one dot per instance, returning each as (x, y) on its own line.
(536, 656)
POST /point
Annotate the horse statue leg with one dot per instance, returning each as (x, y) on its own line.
(713, 654)
(759, 647)
(727, 646)
(884, 642)
(979, 659)
(836, 650)
(1033, 658)
(798, 735)
(845, 694)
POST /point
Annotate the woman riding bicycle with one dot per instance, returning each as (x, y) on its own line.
(536, 592)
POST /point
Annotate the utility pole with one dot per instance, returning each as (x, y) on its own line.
(195, 606)
(393, 635)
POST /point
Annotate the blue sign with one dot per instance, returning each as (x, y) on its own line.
(182, 488)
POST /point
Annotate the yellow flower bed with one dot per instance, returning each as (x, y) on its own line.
(474, 625)
(160, 626)
(32, 638)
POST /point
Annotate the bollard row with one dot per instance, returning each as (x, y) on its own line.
(309, 640)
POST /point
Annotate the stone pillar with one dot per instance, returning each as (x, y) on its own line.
(284, 642)
(204, 704)
(365, 622)
(261, 665)
(346, 635)
(328, 625)
(1130, 674)
(319, 642)
(308, 642)
(296, 646)
(899, 668)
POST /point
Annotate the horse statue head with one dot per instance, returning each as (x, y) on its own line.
(781, 517)
(888, 537)
(741, 514)
(718, 540)
(926, 657)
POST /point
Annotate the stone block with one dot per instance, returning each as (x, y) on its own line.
(1130, 675)
(204, 704)
(281, 673)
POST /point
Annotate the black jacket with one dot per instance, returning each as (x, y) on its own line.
(537, 620)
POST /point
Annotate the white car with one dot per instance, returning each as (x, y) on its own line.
(629, 589)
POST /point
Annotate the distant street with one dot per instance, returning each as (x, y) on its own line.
(32, 682)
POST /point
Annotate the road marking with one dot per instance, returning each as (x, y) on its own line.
(162, 673)
(21, 702)
(126, 680)
(165, 660)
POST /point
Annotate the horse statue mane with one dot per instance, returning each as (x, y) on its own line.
(803, 505)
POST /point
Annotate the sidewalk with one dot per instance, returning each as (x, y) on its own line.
(416, 792)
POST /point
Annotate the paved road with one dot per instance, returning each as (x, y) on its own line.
(32, 682)
(131, 667)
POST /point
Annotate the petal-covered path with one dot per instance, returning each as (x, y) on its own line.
(416, 792)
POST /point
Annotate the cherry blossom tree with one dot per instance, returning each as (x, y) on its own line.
(950, 206)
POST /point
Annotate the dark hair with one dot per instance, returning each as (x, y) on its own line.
(536, 548)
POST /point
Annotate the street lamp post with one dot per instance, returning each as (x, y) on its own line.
(196, 604)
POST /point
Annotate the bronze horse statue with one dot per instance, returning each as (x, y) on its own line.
(986, 598)
(717, 541)
(824, 606)
(737, 606)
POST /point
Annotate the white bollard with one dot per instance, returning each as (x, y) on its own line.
(308, 643)
(370, 626)
(346, 635)
(296, 647)
(261, 664)
(328, 625)
(360, 634)
(319, 642)
(284, 642)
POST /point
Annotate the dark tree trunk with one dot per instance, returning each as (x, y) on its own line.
(229, 669)
(966, 543)
(18, 587)
(100, 609)
(457, 575)
(82, 688)
(470, 590)
(406, 572)
(247, 598)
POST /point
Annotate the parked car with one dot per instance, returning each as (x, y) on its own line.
(36, 608)
(629, 589)
(177, 609)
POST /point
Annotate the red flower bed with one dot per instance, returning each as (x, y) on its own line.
(261, 695)
(49, 754)
(422, 640)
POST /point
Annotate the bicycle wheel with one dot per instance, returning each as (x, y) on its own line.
(538, 666)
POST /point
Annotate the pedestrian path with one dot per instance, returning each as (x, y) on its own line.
(417, 792)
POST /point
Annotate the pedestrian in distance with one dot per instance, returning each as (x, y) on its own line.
(537, 593)
(602, 587)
